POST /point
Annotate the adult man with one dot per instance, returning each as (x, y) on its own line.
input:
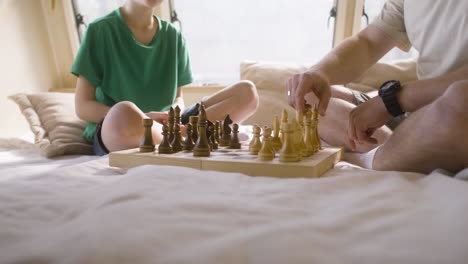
(435, 135)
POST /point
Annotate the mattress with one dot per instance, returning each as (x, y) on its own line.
(77, 209)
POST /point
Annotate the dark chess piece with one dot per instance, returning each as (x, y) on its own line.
(202, 148)
(217, 131)
(226, 135)
(170, 123)
(194, 122)
(235, 144)
(147, 144)
(165, 147)
(212, 138)
(176, 142)
(188, 143)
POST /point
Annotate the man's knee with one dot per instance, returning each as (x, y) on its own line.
(248, 92)
(456, 97)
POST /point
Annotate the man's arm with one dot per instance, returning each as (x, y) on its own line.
(343, 64)
(86, 106)
(417, 94)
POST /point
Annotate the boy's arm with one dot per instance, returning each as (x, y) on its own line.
(86, 106)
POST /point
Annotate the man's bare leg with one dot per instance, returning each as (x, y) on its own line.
(239, 101)
(333, 126)
(433, 137)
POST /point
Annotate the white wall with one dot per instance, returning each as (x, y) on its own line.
(26, 60)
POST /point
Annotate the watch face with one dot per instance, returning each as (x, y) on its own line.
(389, 86)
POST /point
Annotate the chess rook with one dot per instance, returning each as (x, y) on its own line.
(147, 144)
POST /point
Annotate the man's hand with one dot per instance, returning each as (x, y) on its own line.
(301, 84)
(365, 119)
(160, 117)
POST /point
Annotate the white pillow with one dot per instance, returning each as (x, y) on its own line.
(52, 119)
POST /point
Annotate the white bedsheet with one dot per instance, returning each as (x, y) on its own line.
(79, 210)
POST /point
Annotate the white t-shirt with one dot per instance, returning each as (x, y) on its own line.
(437, 29)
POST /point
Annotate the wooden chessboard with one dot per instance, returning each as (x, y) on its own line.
(233, 160)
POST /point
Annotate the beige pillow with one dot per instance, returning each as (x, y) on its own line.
(269, 79)
(52, 119)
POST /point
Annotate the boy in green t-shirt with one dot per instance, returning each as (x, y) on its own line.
(131, 65)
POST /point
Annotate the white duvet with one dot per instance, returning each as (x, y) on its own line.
(79, 210)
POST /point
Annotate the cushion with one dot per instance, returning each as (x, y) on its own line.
(52, 119)
(269, 79)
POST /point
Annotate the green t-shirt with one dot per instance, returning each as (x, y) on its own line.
(122, 69)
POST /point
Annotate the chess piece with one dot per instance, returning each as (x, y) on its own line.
(176, 142)
(226, 135)
(299, 136)
(288, 152)
(308, 135)
(201, 148)
(165, 147)
(255, 144)
(212, 137)
(194, 122)
(177, 123)
(188, 143)
(284, 120)
(217, 131)
(276, 140)
(235, 144)
(170, 123)
(315, 128)
(267, 152)
(298, 147)
(147, 144)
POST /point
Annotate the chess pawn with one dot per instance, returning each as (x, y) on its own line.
(284, 120)
(255, 144)
(165, 147)
(276, 140)
(202, 147)
(193, 120)
(188, 143)
(235, 144)
(217, 131)
(170, 123)
(288, 152)
(147, 144)
(267, 152)
(308, 135)
(176, 142)
(212, 138)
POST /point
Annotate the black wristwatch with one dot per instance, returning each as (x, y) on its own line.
(388, 92)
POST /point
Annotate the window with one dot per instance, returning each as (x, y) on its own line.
(89, 10)
(222, 34)
(373, 8)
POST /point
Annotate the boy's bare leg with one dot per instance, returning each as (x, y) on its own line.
(122, 127)
(435, 136)
(333, 126)
(239, 101)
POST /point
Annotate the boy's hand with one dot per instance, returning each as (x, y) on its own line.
(160, 117)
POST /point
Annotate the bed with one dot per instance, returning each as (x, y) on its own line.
(77, 209)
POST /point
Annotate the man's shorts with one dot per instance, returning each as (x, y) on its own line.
(101, 150)
(360, 98)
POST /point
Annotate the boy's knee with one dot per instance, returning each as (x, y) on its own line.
(249, 93)
(124, 107)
